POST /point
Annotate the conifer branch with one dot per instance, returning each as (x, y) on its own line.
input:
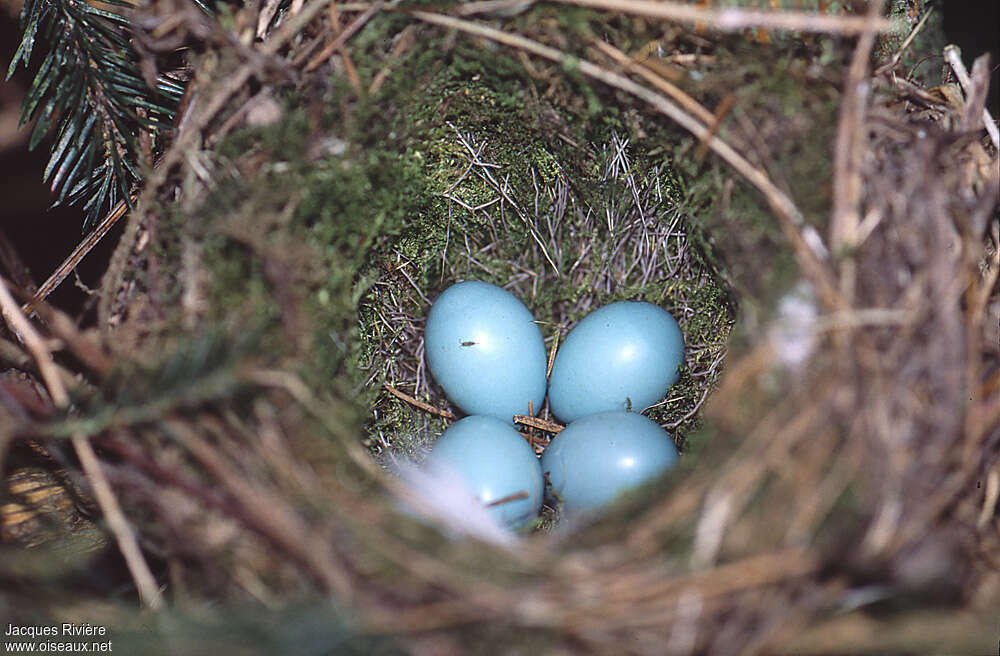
(87, 94)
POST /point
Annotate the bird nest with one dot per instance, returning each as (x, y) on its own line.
(259, 338)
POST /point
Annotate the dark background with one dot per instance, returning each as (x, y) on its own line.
(43, 237)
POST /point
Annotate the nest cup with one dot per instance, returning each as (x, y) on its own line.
(563, 254)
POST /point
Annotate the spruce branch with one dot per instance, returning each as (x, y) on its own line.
(88, 94)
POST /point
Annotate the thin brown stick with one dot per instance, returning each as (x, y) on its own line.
(342, 38)
(552, 353)
(784, 208)
(507, 499)
(268, 515)
(145, 583)
(848, 152)
(531, 433)
(417, 403)
(535, 422)
(88, 350)
(713, 128)
(492, 7)
(21, 327)
(80, 252)
(735, 20)
(645, 72)
(906, 42)
(345, 56)
(953, 55)
(406, 38)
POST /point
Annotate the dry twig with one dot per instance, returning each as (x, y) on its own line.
(535, 422)
(734, 19)
(644, 71)
(417, 403)
(405, 40)
(80, 252)
(149, 592)
(906, 42)
(343, 37)
(953, 56)
(345, 56)
(848, 151)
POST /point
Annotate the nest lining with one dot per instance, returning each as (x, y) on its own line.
(628, 241)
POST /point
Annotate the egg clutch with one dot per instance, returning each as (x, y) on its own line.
(485, 350)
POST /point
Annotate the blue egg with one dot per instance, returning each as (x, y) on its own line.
(622, 356)
(598, 457)
(495, 462)
(485, 350)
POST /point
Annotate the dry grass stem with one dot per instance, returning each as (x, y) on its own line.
(953, 55)
(723, 109)
(265, 16)
(269, 514)
(493, 7)
(889, 65)
(735, 20)
(848, 151)
(676, 93)
(349, 68)
(552, 353)
(517, 496)
(426, 407)
(535, 422)
(80, 252)
(22, 328)
(145, 583)
(342, 38)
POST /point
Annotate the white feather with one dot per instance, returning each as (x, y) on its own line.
(792, 335)
(439, 494)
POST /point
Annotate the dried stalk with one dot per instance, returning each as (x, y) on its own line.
(149, 592)
(735, 20)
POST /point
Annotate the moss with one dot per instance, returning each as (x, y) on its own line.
(485, 103)
(382, 186)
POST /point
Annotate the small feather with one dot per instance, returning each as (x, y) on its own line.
(440, 495)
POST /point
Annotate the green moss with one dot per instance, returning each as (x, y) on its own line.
(382, 185)
(420, 150)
